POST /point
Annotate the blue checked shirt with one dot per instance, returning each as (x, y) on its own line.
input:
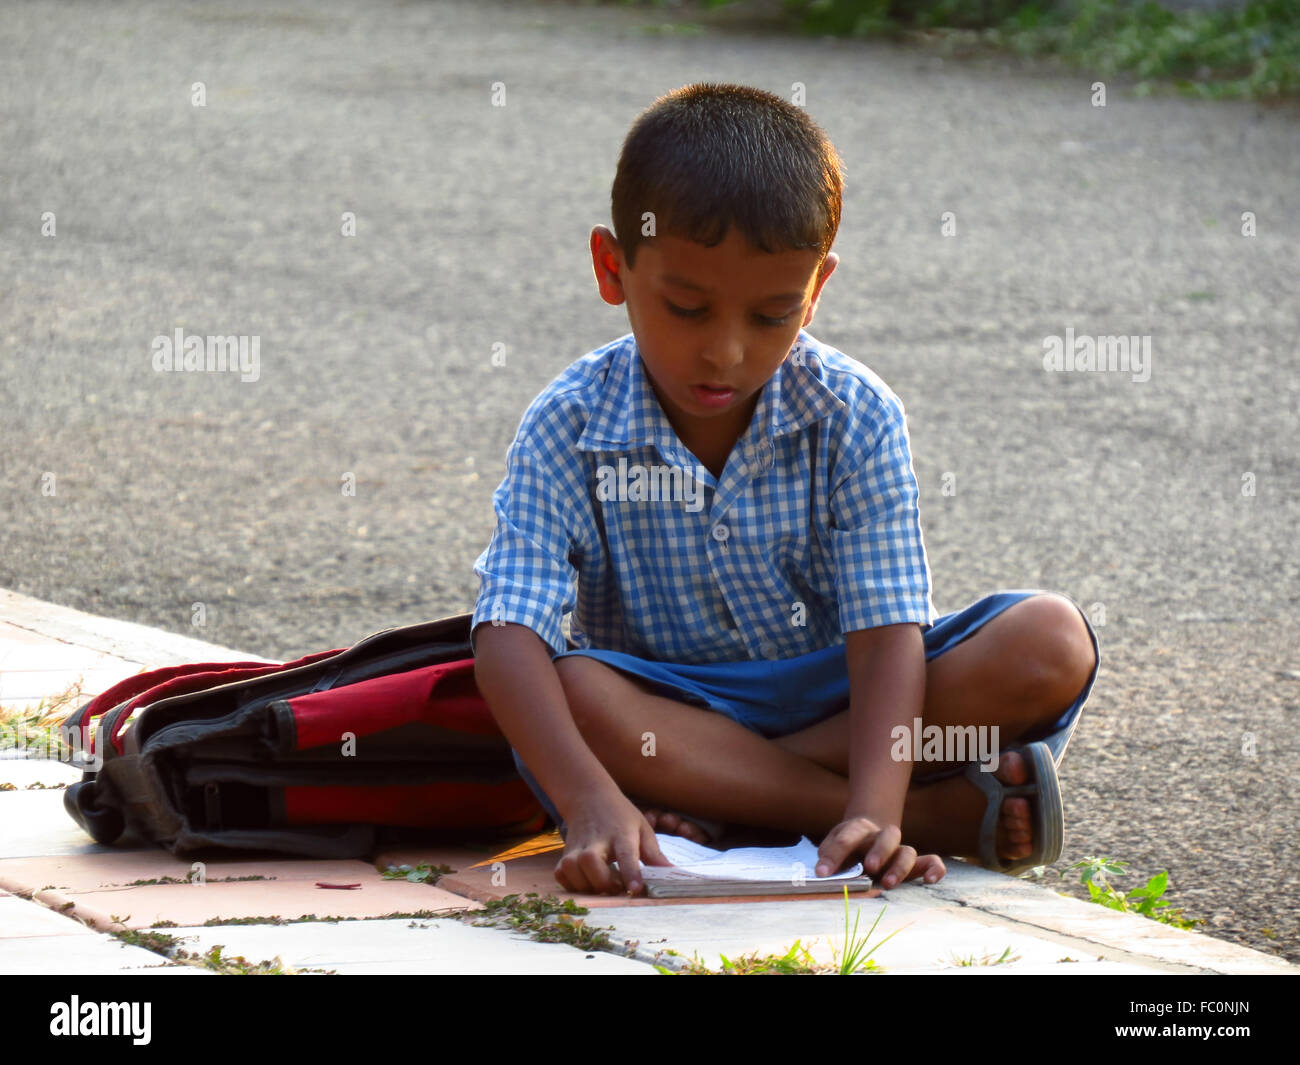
(812, 531)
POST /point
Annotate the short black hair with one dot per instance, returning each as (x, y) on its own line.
(708, 155)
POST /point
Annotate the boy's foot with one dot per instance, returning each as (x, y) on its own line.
(946, 817)
(1042, 790)
(671, 823)
(1015, 835)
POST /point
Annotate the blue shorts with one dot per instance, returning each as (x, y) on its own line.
(776, 698)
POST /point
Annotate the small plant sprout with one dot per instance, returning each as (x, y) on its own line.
(797, 961)
(421, 874)
(1147, 900)
(1005, 958)
(857, 957)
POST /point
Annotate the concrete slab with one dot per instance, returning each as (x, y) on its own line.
(1036, 906)
(24, 651)
(710, 931)
(94, 955)
(33, 824)
(931, 935)
(1064, 967)
(24, 772)
(34, 667)
(117, 869)
(36, 940)
(26, 688)
(192, 904)
(21, 918)
(123, 639)
(406, 947)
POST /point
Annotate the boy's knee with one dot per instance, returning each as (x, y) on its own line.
(1058, 649)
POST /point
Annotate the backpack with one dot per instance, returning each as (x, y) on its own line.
(324, 757)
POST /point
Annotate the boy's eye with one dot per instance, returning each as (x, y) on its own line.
(685, 312)
(695, 312)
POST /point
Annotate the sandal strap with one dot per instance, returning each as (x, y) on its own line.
(993, 790)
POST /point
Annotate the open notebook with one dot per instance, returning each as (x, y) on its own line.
(699, 871)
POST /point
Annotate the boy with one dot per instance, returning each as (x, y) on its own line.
(728, 509)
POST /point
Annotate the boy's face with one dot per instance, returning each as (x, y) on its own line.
(725, 316)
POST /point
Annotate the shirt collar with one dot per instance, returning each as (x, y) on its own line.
(627, 412)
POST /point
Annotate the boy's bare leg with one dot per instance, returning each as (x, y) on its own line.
(1018, 672)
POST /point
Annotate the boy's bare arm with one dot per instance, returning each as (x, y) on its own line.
(886, 667)
(514, 673)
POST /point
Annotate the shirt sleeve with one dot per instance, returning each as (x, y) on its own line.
(525, 573)
(882, 576)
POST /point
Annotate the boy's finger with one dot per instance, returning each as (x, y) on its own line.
(594, 866)
(885, 845)
(834, 849)
(650, 852)
(569, 875)
(930, 868)
(629, 869)
(900, 868)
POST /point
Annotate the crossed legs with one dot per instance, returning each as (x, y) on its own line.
(1019, 671)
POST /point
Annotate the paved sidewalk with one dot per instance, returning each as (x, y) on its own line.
(61, 894)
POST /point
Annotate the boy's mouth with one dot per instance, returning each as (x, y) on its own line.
(713, 395)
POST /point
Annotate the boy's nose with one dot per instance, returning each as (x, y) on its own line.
(723, 355)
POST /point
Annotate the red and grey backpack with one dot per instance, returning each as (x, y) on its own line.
(323, 757)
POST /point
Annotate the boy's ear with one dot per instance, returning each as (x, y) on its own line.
(828, 268)
(607, 263)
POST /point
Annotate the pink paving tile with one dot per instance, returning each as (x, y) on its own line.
(460, 856)
(457, 857)
(189, 904)
(94, 872)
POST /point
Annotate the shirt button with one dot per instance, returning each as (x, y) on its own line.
(721, 532)
(768, 649)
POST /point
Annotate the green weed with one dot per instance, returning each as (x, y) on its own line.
(798, 960)
(1147, 900)
(420, 874)
(1251, 50)
(414, 915)
(158, 942)
(190, 877)
(238, 965)
(168, 946)
(39, 726)
(857, 957)
(547, 920)
(1005, 958)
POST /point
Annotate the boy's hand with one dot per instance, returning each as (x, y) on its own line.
(893, 863)
(603, 832)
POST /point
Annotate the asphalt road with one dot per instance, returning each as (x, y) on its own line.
(1167, 505)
